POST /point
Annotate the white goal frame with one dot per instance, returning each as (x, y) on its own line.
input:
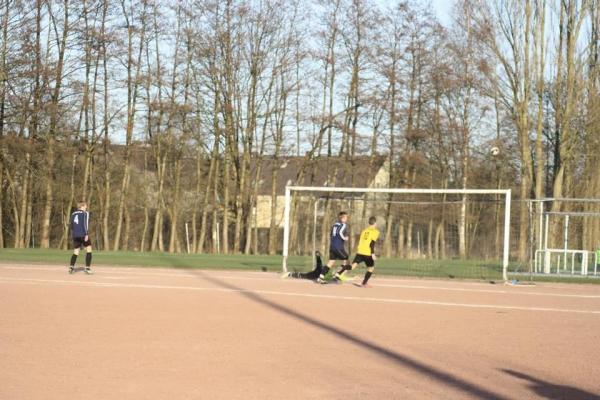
(319, 189)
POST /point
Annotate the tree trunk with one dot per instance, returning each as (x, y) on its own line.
(146, 206)
(216, 247)
(67, 211)
(400, 249)
(273, 229)
(20, 240)
(1, 196)
(49, 199)
(204, 218)
(132, 93)
(105, 142)
(54, 117)
(225, 205)
(175, 207)
(125, 245)
(145, 229)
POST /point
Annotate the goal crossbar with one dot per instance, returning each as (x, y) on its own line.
(395, 190)
(319, 189)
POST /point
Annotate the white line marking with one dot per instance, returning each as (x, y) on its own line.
(103, 271)
(232, 275)
(293, 294)
(140, 269)
(583, 296)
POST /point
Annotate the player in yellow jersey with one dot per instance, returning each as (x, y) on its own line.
(365, 252)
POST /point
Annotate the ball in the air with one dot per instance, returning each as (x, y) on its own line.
(494, 151)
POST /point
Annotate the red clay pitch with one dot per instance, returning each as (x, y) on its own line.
(128, 333)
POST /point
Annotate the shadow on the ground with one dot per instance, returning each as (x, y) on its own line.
(547, 390)
(191, 263)
(400, 359)
(175, 262)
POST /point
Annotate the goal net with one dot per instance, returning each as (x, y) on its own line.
(424, 232)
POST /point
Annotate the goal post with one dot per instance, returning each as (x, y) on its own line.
(503, 194)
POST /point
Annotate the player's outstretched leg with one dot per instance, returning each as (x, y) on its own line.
(338, 276)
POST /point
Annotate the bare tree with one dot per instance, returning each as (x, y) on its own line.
(134, 65)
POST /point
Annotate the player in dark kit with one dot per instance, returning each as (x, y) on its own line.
(365, 252)
(80, 220)
(312, 275)
(337, 245)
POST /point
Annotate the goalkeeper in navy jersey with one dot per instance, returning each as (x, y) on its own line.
(312, 275)
(337, 245)
(80, 220)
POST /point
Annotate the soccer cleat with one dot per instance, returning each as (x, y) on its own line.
(88, 271)
(321, 280)
(343, 278)
(363, 285)
(71, 269)
(286, 275)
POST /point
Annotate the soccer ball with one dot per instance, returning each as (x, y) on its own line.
(494, 151)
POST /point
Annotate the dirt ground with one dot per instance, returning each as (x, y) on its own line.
(129, 333)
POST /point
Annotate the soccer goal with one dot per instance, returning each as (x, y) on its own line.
(424, 232)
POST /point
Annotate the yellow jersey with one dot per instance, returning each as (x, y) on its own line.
(367, 236)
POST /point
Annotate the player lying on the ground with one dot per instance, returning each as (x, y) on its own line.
(364, 253)
(80, 220)
(313, 275)
(337, 245)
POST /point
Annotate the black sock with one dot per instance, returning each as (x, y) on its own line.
(88, 260)
(325, 270)
(73, 260)
(344, 268)
(367, 276)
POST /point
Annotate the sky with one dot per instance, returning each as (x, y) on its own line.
(443, 9)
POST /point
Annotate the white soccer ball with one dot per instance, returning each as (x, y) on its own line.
(494, 151)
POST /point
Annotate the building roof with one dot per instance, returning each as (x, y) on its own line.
(321, 171)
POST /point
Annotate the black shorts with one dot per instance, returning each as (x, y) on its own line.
(368, 260)
(79, 242)
(338, 254)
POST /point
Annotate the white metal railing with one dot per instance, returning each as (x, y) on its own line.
(560, 261)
